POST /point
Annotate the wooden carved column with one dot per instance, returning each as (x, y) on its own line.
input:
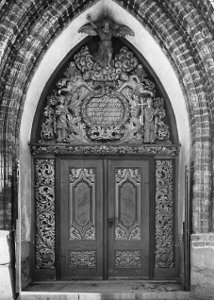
(164, 214)
(45, 214)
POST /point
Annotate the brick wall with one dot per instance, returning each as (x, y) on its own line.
(182, 28)
(202, 260)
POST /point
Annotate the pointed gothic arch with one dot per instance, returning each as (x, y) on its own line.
(21, 57)
(158, 62)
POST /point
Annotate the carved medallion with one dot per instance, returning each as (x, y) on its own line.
(105, 98)
(104, 111)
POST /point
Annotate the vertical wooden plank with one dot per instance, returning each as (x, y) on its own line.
(186, 231)
(105, 219)
(81, 198)
(128, 219)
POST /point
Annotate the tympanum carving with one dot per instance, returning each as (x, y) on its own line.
(104, 97)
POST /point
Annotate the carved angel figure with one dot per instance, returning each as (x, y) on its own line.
(106, 29)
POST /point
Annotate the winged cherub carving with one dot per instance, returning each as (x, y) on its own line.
(106, 29)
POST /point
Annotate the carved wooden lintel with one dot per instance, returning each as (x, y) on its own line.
(39, 149)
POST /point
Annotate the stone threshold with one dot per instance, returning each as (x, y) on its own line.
(104, 290)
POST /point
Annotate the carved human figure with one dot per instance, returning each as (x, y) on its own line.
(148, 120)
(62, 118)
(74, 84)
(104, 54)
(106, 29)
(133, 83)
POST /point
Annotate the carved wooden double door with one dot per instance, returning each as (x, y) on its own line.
(104, 218)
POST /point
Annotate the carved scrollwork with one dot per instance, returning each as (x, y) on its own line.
(164, 214)
(82, 215)
(45, 213)
(127, 226)
(122, 234)
(104, 149)
(104, 98)
(83, 259)
(127, 259)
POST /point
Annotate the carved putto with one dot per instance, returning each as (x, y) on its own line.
(105, 97)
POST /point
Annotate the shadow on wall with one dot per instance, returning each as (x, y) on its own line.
(7, 264)
(8, 216)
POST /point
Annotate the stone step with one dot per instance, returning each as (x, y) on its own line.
(104, 290)
(105, 296)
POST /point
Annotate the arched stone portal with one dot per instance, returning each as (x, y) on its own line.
(157, 61)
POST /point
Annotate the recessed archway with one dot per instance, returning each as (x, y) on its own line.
(155, 57)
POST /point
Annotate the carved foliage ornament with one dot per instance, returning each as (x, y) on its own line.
(45, 213)
(82, 259)
(127, 208)
(164, 214)
(127, 259)
(82, 214)
(104, 149)
(104, 98)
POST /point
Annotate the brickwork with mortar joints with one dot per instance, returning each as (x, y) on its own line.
(182, 28)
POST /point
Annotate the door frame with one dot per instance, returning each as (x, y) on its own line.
(105, 159)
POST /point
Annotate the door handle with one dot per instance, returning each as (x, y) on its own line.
(111, 221)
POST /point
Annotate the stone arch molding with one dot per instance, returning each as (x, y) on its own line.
(69, 38)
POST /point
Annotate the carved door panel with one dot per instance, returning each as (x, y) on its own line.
(81, 219)
(104, 219)
(128, 219)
